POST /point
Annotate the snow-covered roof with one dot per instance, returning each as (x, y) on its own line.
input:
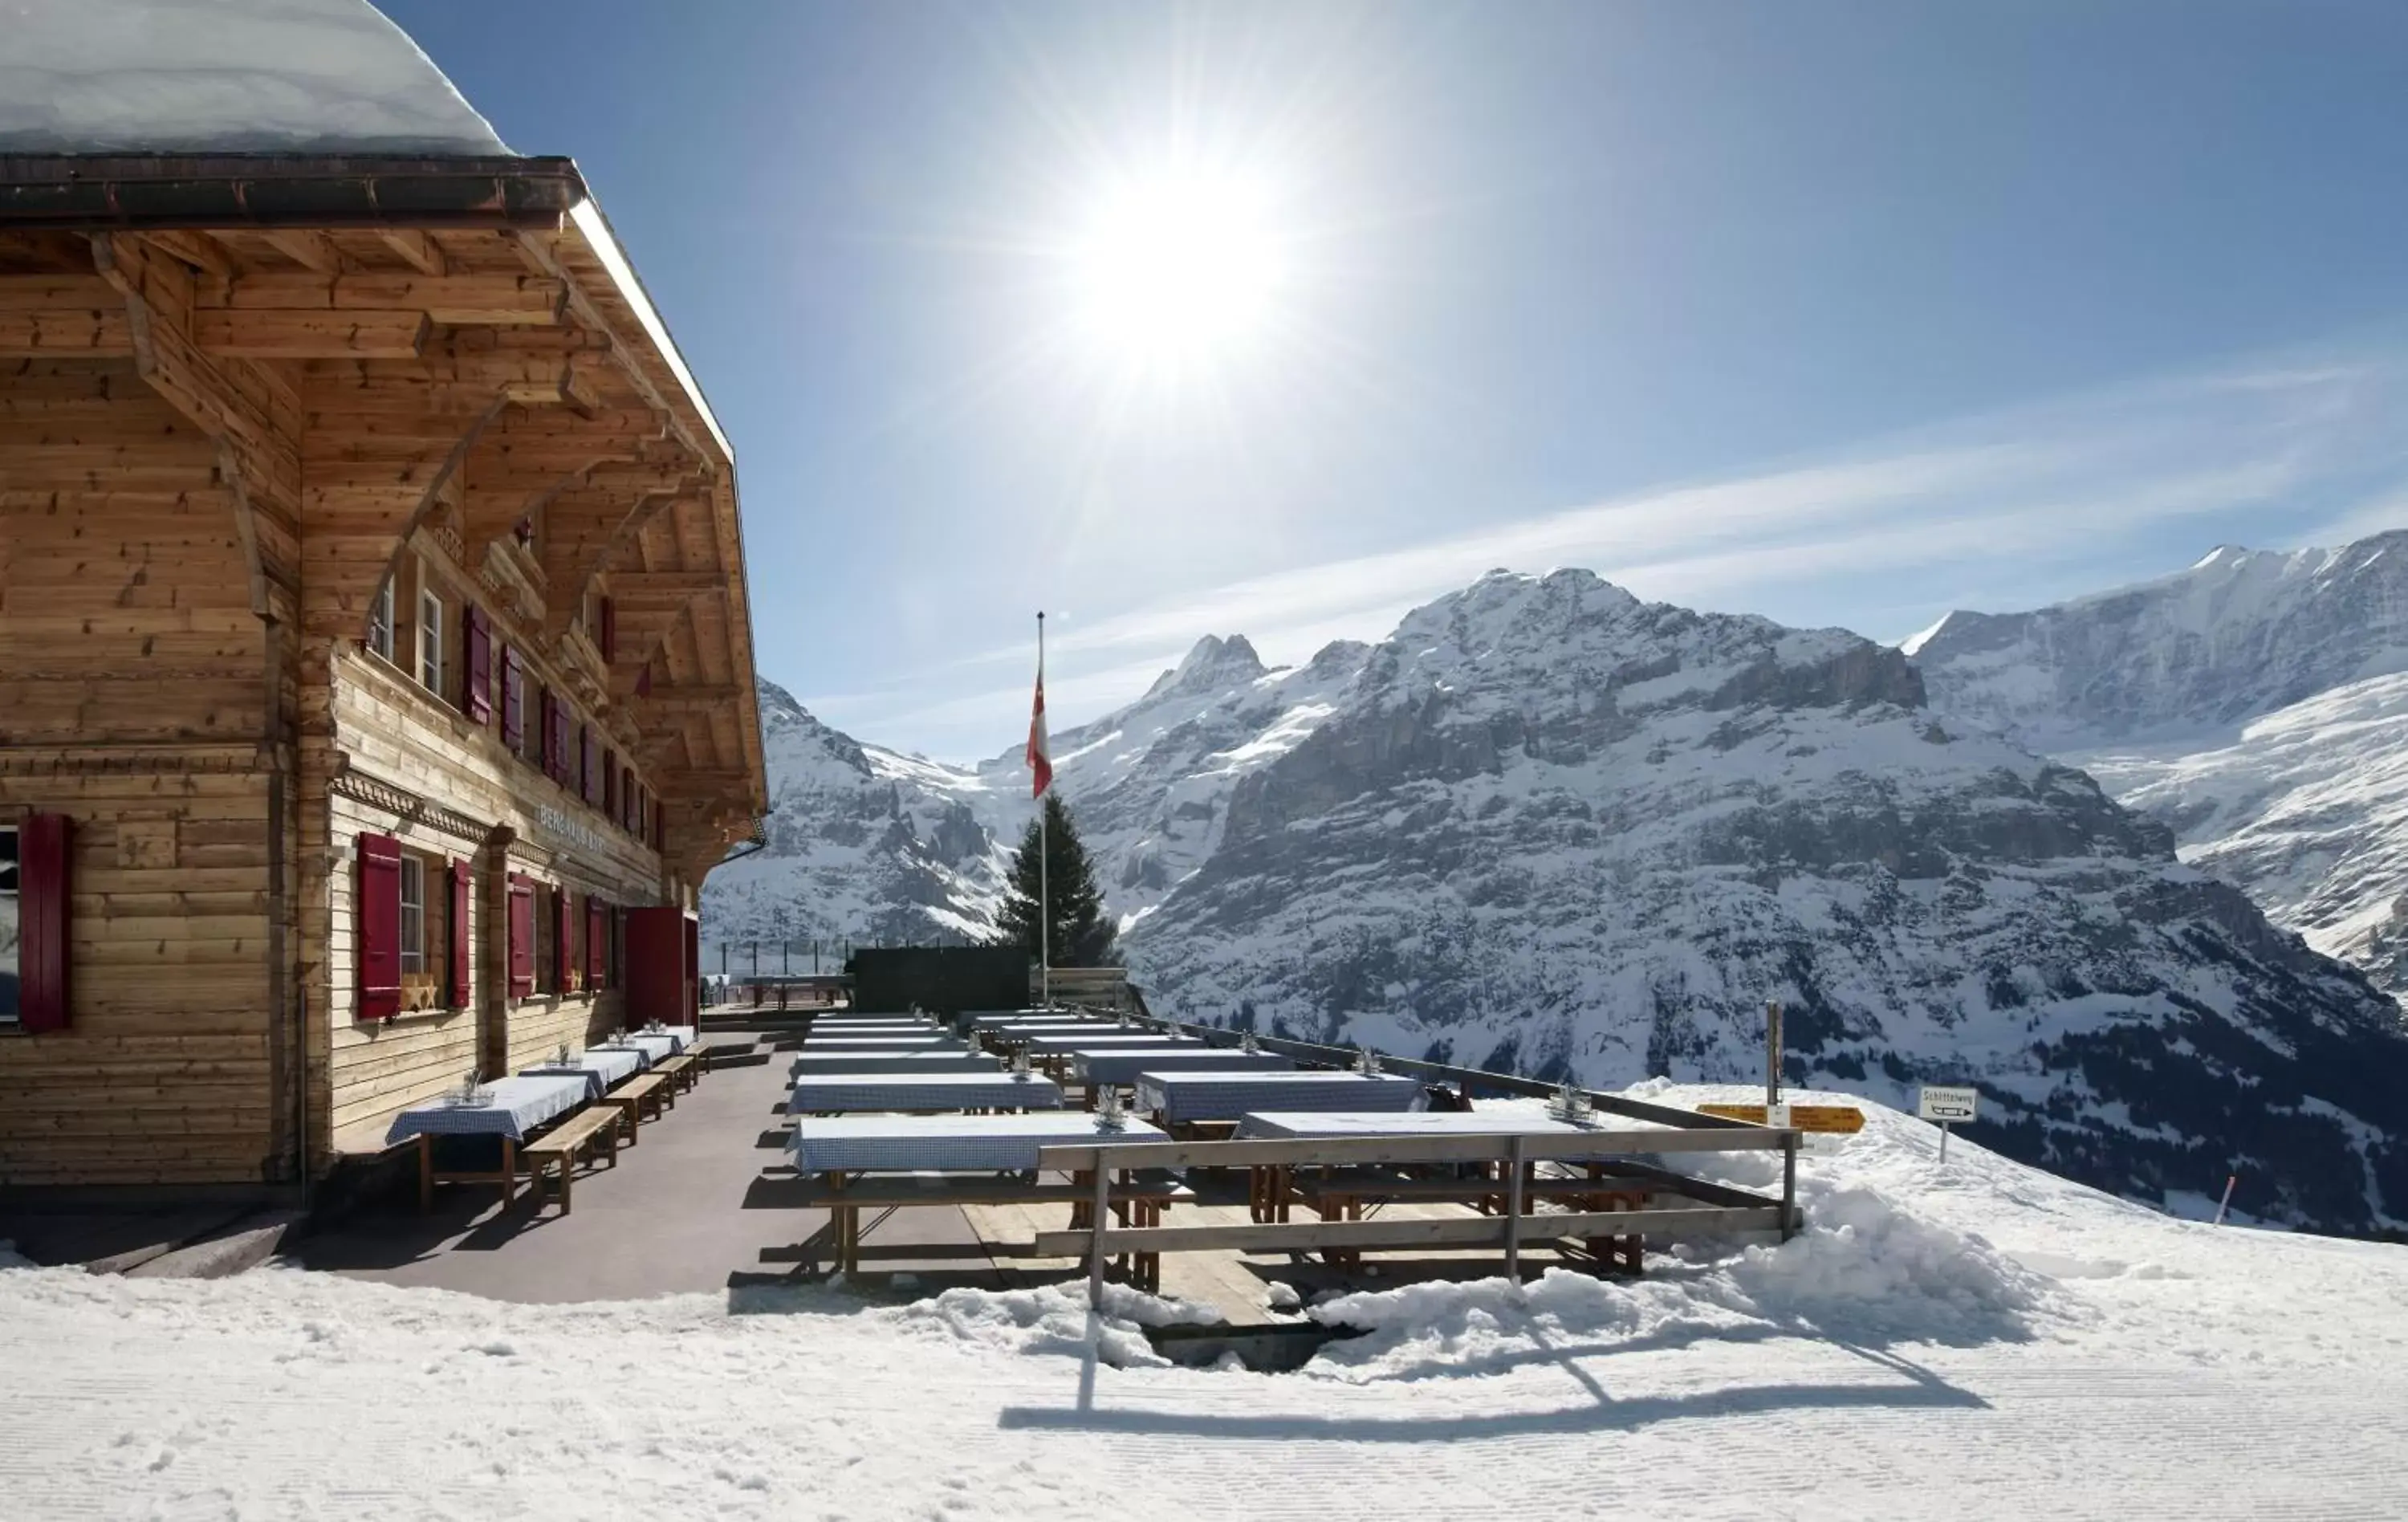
(329, 77)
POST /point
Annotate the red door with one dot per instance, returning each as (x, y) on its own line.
(659, 978)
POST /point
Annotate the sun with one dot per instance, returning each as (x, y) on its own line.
(1179, 272)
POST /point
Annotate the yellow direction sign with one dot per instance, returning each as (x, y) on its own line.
(1835, 1119)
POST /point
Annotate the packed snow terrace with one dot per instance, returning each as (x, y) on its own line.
(374, 642)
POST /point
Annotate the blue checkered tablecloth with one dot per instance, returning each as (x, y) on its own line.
(601, 1065)
(895, 1062)
(947, 1144)
(1122, 1065)
(519, 1105)
(1183, 1096)
(819, 1093)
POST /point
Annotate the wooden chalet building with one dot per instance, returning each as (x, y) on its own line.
(376, 668)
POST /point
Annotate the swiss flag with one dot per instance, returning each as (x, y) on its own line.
(1040, 760)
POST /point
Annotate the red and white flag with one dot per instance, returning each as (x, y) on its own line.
(1040, 758)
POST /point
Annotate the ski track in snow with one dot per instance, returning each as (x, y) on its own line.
(1981, 1340)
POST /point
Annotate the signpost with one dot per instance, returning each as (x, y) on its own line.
(1829, 1119)
(1948, 1107)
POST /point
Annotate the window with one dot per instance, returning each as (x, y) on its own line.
(12, 939)
(430, 643)
(413, 916)
(380, 620)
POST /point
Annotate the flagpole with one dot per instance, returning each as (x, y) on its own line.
(1044, 894)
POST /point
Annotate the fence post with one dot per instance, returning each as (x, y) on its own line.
(1096, 1232)
(1513, 1209)
(1789, 1188)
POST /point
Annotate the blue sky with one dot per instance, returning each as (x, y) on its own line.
(1845, 312)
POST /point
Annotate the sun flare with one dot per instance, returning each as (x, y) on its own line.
(1179, 272)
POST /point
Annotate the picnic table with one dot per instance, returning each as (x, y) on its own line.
(513, 1108)
(654, 1047)
(895, 1062)
(1183, 1098)
(967, 1159)
(815, 1042)
(601, 1065)
(1124, 1064)
(1068, 1044)
(1342, 1193)
(836, 1093)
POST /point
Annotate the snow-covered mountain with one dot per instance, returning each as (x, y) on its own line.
(2255, 703)
(861, 843)
(874, 845)
(1150, 784)
(2187, 658)
(1546, 827)
(1552, 827)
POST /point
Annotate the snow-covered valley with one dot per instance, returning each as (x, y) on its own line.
(1967, 1337)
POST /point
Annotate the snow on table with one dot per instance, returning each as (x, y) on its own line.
(232, 76)
(1223, 1094)
(897, 1062)
(517, 1107)
(1114, 1065)
(1068, 1045)
(1309, 1123)
(822, 1093)
(601, 1065)
(948, 1144)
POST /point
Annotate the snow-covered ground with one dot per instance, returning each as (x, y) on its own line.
(1974, 1340)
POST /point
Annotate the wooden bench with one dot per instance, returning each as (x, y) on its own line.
(1137, 1197)
(1340, 1194)
(562, 1145)
(631, 1099)
(682, 1070)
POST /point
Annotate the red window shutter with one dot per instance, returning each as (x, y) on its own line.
(461, 960)
(597, 940)
(562, 961)
(513, 698)
(479, 663)
(44, 873)
(589, 761)
(628, 798)
(375, 922)
(606, 634)
(522, 936)
(557, 762)
(609, 781)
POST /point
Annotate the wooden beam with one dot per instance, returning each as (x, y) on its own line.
(417, 250)
(453, 300)
(64, 335)
(538, 252)
(300, 335)
(48, 294)
(199, 250)
(705, 700)
(313, 250)
(630, 584)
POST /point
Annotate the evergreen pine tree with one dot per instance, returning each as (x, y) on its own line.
(1082, 930)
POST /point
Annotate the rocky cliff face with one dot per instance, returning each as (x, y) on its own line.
(2257, 704)
(862, 844)
(1553, 828)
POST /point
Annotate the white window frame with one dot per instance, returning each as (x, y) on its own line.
(12, 928)
(380, 620)
(430, 641)
(414, 913)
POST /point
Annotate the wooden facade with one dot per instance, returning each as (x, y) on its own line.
(359, 573)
